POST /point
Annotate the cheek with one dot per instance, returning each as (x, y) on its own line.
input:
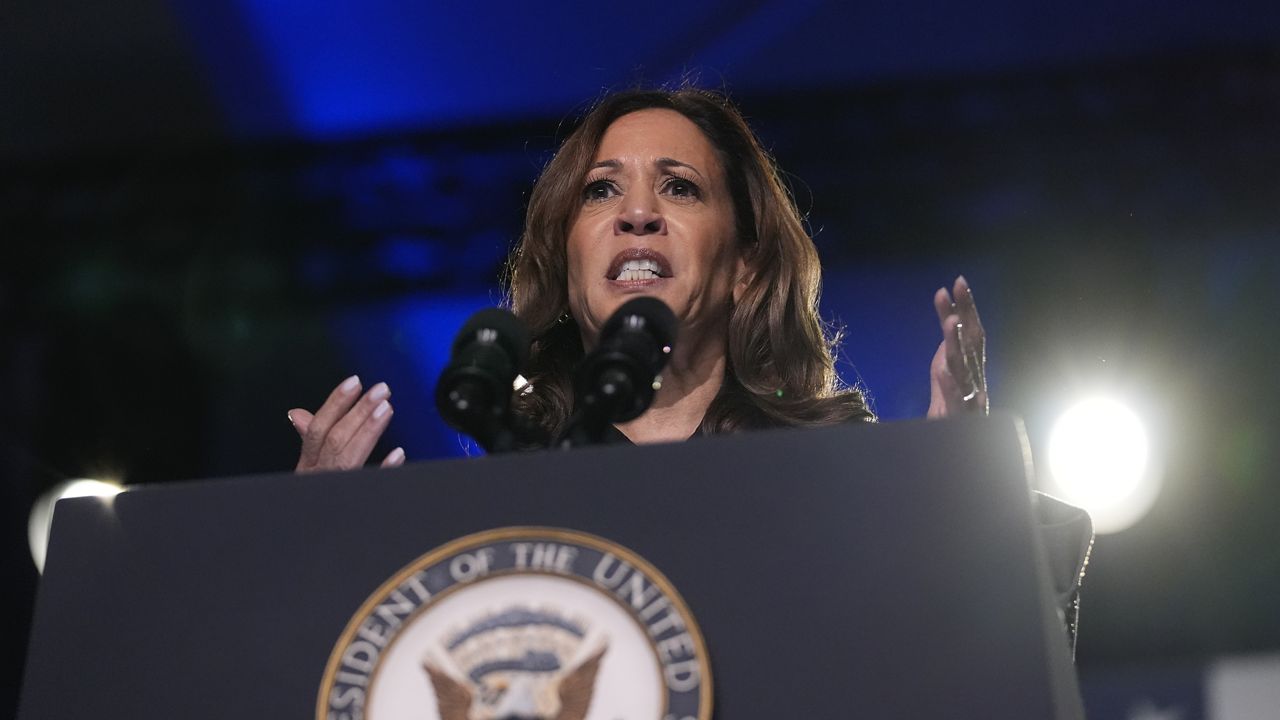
(576, 260)
(721, 262)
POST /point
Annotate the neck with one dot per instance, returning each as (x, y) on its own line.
(689, 384)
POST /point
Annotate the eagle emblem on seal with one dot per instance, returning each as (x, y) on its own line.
(518, 663)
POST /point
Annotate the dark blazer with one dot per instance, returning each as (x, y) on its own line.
(1067, 535)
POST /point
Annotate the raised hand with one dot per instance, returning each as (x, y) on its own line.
(342, 433)
(957, 376)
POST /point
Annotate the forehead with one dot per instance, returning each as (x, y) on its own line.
(646, 135)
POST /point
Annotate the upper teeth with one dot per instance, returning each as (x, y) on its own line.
(639, 270)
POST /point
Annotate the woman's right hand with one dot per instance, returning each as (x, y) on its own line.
(342, 433)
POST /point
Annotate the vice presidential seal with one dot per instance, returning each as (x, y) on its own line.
(529, 623)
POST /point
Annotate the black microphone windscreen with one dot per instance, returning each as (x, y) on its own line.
(660, 321)
(510, 332)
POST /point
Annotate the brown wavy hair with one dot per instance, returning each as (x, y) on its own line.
(780, 367)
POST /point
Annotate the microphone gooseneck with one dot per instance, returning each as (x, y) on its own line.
(473, 393)
(616, 381)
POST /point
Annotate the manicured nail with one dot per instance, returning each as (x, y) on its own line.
(349, 385)
(383, 408)
(395, 457)
(379, 392)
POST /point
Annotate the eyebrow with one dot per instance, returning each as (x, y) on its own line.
(662, 162)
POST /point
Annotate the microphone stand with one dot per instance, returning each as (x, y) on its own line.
(489, 425)
(587, 425)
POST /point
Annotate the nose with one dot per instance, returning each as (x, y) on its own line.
(638, 218)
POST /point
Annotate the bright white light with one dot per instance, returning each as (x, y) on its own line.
(1098, 460)
(41, 519)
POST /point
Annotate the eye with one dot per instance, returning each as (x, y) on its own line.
(681, 188)
(599, 190)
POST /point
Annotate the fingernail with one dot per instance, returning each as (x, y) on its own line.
(350, 384)
(379, 391)
(290, 416)
(383, 408)
(396, 457)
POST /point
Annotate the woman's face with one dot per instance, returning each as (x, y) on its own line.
(655, 219)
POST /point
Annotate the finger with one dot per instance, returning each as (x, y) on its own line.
(967, 308)
(395, 458)
(981, 404)
(977, 366)
(942, 304)
(971, 372)
(956, 367)
(337, 448)
(336, 406)
(973, 339)
(357, 451)
(300, 419)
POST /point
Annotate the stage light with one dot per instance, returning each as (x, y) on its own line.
(41, 519)
(1098, 459)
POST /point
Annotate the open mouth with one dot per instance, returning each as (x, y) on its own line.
(638, 264)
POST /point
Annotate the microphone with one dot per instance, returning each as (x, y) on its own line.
(616, 381)
(473, 393)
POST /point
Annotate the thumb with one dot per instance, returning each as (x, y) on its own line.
(301, 420)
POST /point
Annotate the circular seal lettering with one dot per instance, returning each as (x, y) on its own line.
(521, 622)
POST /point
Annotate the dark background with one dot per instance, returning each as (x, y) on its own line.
(209, 215)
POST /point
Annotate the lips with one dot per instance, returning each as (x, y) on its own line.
(640, 264)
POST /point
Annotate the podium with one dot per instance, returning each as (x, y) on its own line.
(877, 571)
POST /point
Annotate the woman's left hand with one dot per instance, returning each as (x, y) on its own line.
(957, 376)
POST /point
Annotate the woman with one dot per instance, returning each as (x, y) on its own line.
(670, 194)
